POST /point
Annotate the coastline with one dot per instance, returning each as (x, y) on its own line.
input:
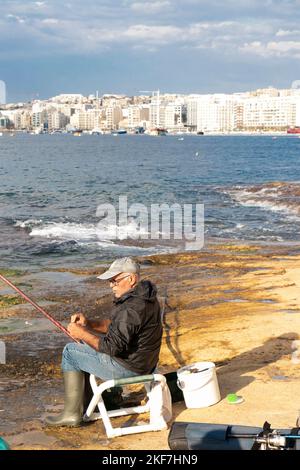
(15, 132)
(235, 305)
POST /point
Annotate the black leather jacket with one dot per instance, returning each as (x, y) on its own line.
(134, 335)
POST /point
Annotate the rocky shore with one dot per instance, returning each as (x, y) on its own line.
(235, 305)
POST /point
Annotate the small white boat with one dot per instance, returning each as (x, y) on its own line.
(1, 134)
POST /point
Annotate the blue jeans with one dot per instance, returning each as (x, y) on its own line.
(81, 357)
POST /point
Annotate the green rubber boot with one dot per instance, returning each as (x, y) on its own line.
(73, 409)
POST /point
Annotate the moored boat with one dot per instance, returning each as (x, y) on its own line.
(119, 132)
(293, 130)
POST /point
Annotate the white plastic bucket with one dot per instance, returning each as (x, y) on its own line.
(199, 384)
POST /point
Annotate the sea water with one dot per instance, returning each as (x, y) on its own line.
(51, 186)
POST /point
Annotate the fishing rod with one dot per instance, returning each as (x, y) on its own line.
(37, 307)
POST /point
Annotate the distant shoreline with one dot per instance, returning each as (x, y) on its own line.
(13, 132)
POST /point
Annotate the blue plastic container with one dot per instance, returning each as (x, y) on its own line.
(3, 444)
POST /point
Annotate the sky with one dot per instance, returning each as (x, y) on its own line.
(126, 46)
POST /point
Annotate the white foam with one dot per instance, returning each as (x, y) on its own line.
(270, 205)
(65, 231)
(233, 229)
(27, 223)
(265, 198)
(130, 230)
(88, 232)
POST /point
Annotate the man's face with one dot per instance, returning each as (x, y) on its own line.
(122, 283)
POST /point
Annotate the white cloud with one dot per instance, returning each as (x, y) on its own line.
(254, 47)
(282, 32)
(153, 34)
(150, 7)
(16, 18)
(273, 48)
(72, 35)
(210, 30)
(145, 48)
(89, 38)
(50, 21)
(91, 26)
(284, 47)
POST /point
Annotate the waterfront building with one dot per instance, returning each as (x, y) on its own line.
(86, 120)
(134, 113)
(113, 116)
(4, 122)
(174, 113)
(137, 115)
(111, 101)
(271, 112)
(264, 109)
(57, 120)
(22, 119)
(211, 113)
(69, 98)
(39, 120)
(258, 110)
(167, 114)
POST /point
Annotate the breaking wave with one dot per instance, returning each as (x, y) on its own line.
(29, 223)
(277, 197)
(87, 232)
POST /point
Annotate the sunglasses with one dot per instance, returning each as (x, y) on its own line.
(115, 282)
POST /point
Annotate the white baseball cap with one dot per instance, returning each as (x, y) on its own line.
(120, 265)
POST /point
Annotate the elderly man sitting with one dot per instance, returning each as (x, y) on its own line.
(128, 344)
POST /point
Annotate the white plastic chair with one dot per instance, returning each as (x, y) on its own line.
(151, 382)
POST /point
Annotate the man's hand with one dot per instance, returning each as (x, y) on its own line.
(76, 330)
(79, 319)
(82, 333)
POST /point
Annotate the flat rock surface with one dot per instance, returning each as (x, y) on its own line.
(237, 306)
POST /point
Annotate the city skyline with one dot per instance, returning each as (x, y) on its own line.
(256, 110)
(190, 46)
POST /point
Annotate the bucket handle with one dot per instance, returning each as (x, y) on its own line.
(183, 388)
